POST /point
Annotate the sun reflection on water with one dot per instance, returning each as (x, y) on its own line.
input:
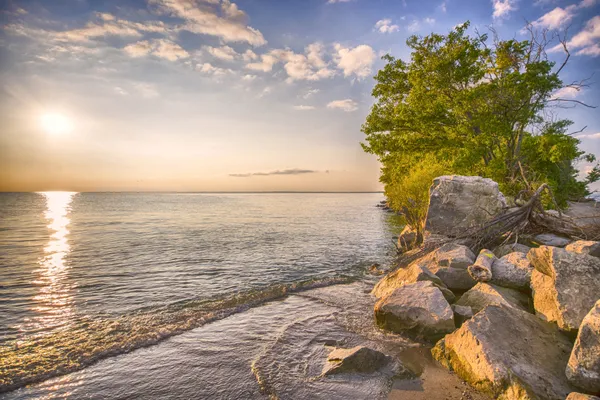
(55, 293)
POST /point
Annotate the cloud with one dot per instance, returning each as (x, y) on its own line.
(309, 93)
(561, 16)
(589, 136)
(386, 26)
(147, 90)
(309, 66)
(566, 93)
(294, 171)
(429, 21)
(162, 48)
(556, 18)
(442, 7)
(303, 108)
(249, 55)
(224, 52)
(248, 77)
(346, 105)
(587, 40)
(338, 1)
(503, 7)
(413, 26)
(209, 69)
(220, 19)
(355, 61)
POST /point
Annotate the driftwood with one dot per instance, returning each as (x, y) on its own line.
(530, 217)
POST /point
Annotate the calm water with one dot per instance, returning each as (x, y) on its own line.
(88, 276)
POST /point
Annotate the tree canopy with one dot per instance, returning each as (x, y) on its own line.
(475, 108)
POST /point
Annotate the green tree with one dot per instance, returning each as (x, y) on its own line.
(476, 109)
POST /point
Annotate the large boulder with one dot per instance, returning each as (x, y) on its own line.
(586, 215)
(509, 354)
(484, 294)
(513, 271)
(418, 310)
(415, 272)
(565, 285)
(449, 263)
(460, 203)
(454, 255)
(357, 359)
(585, 247)
(583, 369)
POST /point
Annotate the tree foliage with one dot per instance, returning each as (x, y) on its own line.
(477, 109)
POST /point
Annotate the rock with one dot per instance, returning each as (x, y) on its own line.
(406, 239)
(512, 271)
(459, 203)
(415, 272)
(484, 294)
(509, 354)
(454, 255)
(581, 396)
(454, 278)
(583, 369)
(481, 271)
(564, 285)
(586, 215)
(505, 249)
(549, 239)
(418, 309)
(461, 313)
(585, 247)
(357, 359)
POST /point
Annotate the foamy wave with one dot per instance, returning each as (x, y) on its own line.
(88, 340)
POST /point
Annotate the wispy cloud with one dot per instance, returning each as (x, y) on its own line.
(293, 171)
(220, 19)
(347, 105)
(304, 108)
(589, 136)
(162, 48)
(587, 40)
(566, 93)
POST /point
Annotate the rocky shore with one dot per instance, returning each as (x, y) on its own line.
(521, 321)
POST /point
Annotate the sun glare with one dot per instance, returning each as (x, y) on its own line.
(55, 123)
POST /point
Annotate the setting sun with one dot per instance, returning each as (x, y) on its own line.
(55, 123)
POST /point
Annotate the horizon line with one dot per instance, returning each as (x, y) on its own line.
(196, 192)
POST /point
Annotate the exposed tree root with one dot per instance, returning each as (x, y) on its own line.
(529, 218)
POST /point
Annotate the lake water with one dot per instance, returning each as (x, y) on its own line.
(184, 295)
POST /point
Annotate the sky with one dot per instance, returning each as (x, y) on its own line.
(216, 95)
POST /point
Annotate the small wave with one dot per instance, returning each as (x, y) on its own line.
(88, 340)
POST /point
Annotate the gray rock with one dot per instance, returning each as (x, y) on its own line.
(549, 239)
(454, 255)
(415, 272)
(585, 247)
(509, 354)
(418, 310)
(460, 203)
(565, 285)
(512, 271)
(461, 313)
(357, 359)
(481, 270)
(505, 249)
(484, 294)
(583, 369)
(453, 278)
(586, 215)
(581, 396)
